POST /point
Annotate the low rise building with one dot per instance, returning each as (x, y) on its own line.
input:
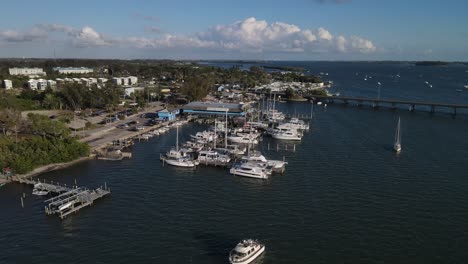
(132, 80)
(130, 90)
(7, 84)
(73, 70)
(168, 114)
(203, 108)
(51, 84)
(26, 71)
(42, 84)
(32, 84)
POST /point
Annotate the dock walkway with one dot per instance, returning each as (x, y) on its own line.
(68, 199)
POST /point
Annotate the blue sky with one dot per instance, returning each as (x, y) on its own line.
(255, 29)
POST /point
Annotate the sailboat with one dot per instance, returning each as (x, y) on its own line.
(397, 144)
(179, 157)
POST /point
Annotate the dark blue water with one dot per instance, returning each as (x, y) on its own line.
(345, 197)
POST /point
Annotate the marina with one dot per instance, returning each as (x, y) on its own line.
(344, 166)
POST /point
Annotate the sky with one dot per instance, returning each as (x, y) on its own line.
(236, 30)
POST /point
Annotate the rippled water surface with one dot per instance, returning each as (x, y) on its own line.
(345, 197)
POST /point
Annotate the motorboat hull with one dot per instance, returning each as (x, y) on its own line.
(251, 258)
(237, 172)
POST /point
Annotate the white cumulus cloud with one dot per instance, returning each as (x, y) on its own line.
(249, 35)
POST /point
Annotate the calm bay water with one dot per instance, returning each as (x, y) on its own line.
(345, 197)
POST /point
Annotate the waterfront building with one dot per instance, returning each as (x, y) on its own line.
(208, 108)
(73, 70)
(26, 71)
(168, 114)
(7, 84)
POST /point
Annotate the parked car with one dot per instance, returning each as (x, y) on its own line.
(123, 126)
(140, 128)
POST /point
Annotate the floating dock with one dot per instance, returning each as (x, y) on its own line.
(69, 199)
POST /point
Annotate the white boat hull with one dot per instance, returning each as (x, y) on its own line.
(285, 137)
(244, 174)
(185, 164)
(252, 258)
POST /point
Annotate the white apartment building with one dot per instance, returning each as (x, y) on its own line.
(42, 84)
(26, 71)
(7, 84)
(32, 84)
(132, 80)
(73, 70)
(51, 83)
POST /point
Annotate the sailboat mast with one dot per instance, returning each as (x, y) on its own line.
(397, 134)
(226, 133)
(177, 139)
(214, 137)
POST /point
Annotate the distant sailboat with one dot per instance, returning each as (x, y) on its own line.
(397, 144)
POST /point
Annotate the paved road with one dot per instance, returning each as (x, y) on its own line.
(102, 136)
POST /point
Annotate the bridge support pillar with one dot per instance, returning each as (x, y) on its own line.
(345, 101)
(432, 109)
(393, 106)
(411, 108)
(454, 111)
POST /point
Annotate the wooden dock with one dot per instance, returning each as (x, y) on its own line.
(68, 199)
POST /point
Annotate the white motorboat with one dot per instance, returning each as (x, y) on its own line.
(256, 156)
(234, 150)
(246, 251)
(205, 136)
(251, 170)
(65, 206)
(213, 158)
(274, 116)
(39, 192)
(287, 134)
(193, 146)
(397, 144)
(243, 139)
(260, 125)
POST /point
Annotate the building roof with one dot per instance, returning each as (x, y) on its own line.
(72, 68)
(217, 107)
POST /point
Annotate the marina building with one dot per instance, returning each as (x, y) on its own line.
(7, 84)
(26, 71)
(73, 70)
(208, 108)
(168, 114)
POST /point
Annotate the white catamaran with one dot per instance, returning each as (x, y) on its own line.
(397, 144)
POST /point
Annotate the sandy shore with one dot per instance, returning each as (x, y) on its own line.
(52, 167)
